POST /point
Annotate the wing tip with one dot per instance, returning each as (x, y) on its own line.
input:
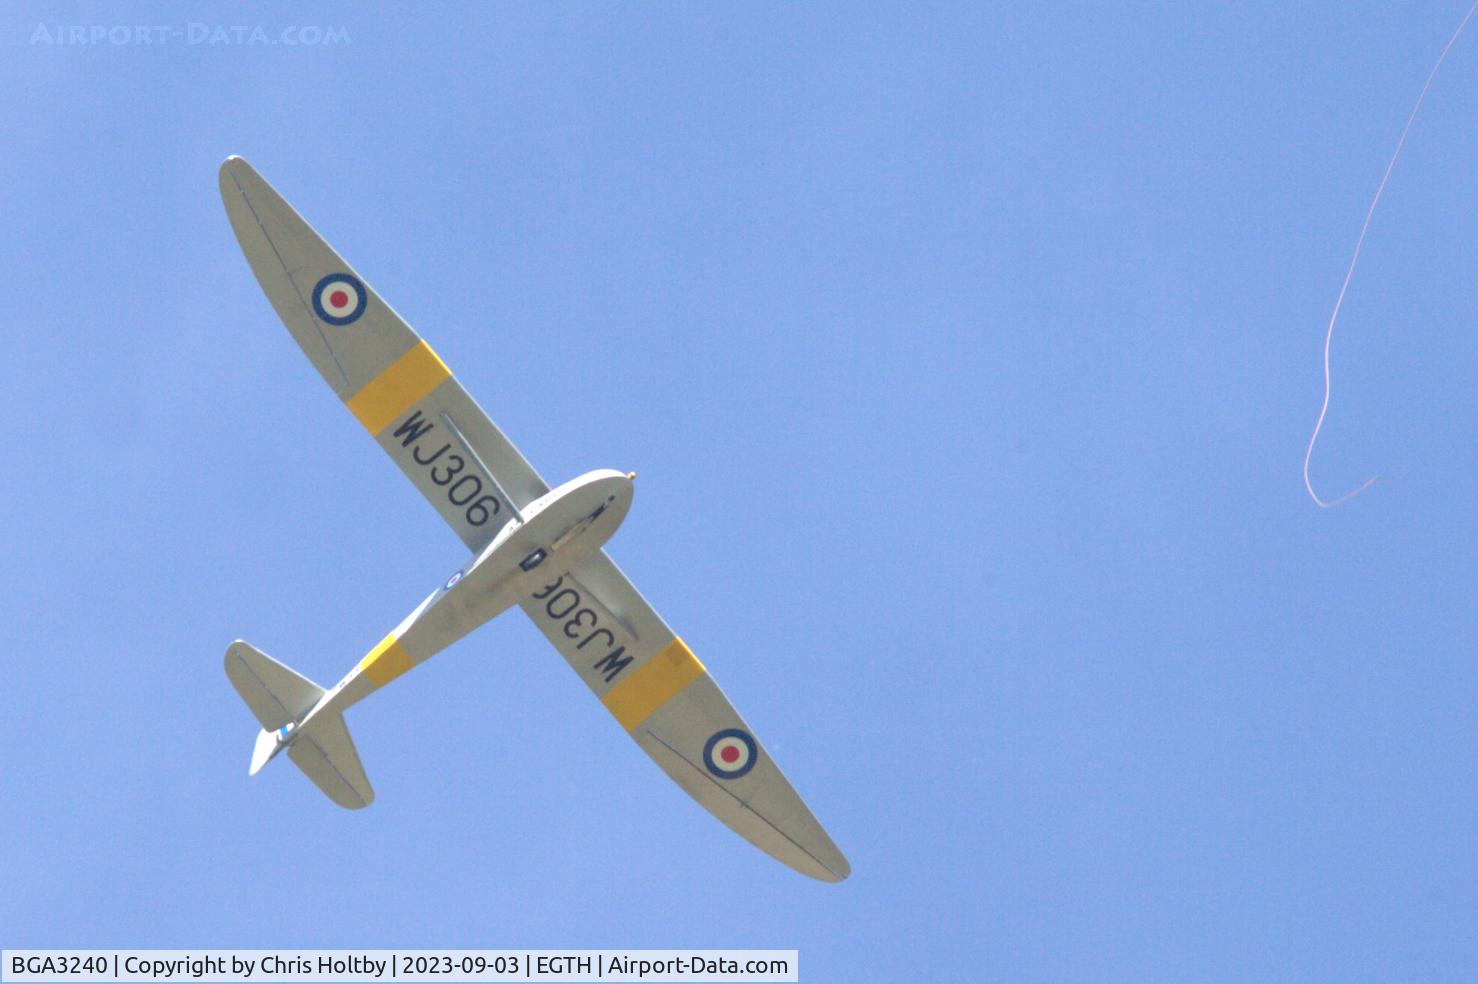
(234, 172)
(829, 866)
(840, 869)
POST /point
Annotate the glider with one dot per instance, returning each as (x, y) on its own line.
(531, 546)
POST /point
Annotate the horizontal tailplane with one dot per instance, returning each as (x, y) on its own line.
(281, 698)
(276, 694)
(325, 753)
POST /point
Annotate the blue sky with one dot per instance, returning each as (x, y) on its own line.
(967, 355)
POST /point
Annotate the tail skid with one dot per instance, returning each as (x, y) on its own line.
(281, 698)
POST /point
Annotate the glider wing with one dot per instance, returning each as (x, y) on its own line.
(662, 696)
(391, 380)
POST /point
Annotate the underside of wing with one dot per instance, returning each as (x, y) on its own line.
(391, 380)
(699, 739)
(665, 699)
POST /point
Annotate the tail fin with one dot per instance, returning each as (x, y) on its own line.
(281, 698)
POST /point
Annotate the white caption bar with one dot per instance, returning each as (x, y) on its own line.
(451, 966)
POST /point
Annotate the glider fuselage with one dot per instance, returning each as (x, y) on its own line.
(551, 534)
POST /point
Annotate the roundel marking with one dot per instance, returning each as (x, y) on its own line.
(730, 753)
(451, 582)
(339, 299)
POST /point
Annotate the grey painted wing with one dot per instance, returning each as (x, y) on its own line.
(390, 379)
(665, 699)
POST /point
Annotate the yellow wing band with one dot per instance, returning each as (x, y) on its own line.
(394, 391)
(653, 684)
(386, 661)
